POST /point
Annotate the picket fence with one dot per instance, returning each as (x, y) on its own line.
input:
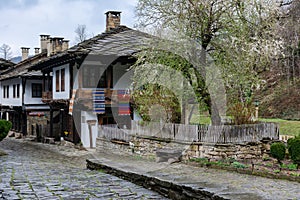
(236, 134)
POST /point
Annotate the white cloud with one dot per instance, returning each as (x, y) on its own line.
(24, 20)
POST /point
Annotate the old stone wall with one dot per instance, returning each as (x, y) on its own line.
(37, 125)
(148, 147)
(119, 148)
(224, 151)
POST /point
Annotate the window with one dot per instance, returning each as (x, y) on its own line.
(14, 91)
(18, 90)
(91, 77)
(7, 91)
(62, 82)
(4, 91)
(57, 80)
(36, 90)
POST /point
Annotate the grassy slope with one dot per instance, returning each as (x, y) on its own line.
(279, 98)
(287, 127)
(279, 101)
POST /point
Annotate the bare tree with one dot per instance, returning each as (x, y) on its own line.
(81, 33)
(237, 35)
(6, 51)
(292, 39)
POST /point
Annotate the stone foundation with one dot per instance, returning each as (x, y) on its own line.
(148, 147)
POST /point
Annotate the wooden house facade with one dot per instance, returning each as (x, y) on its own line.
(65, 93)
(20, 95)
(87, 84)
(21, 90)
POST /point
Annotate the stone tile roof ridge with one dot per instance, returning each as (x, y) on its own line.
(89, 42)
(6, 62)
(120, 36)
(21, 67)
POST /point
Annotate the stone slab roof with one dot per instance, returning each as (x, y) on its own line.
(22, 68)
(121, 41)
(5, 64)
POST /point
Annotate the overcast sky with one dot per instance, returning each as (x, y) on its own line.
(22, 21)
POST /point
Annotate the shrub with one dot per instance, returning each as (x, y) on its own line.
(5, 126)
(294, 150)
(238, 165)
(290, 143)
(278, 151)
(242, 113)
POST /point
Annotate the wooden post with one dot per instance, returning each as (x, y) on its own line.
(256, 112)
(44, 83)
(51, 122)
(71, 79)
(24, 131)
(49, 85)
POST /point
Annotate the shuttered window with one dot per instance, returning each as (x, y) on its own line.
(62, 86)
(57, 81)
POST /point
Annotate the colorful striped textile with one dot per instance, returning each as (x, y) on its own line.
(123, 98)
(72, 102)
(99, 101)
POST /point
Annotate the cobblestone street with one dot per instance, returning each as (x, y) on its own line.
(33, 171)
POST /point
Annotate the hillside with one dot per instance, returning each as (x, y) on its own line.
(279, 98)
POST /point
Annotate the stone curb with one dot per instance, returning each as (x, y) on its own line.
(166, 188)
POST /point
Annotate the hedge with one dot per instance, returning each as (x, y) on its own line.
(278, 151)
(5, 126)
(294, 149)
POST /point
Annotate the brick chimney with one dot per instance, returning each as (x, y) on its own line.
(57, 44)
(113, 20)
(25, 53)
(44, 42)
(65, 45)
(49, 46)
(36, 50)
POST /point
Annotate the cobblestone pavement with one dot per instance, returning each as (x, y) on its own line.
(219, 183)
(40, 171)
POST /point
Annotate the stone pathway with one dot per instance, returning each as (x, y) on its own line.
(43, 171)
(180, 181)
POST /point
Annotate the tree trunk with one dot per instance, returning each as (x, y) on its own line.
(213, 108)
(215, 115)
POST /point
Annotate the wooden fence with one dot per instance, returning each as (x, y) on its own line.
(195, 133)
(112, 132)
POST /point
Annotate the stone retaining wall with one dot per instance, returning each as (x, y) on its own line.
(148, 147)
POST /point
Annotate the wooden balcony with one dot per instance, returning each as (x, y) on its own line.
(46, 96)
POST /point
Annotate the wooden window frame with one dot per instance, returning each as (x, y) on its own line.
(14, 91)
(90, 77)
(62, 79)
(4, 91)
(37, 89)
(7, 91)
(18, 90)
(57, 76)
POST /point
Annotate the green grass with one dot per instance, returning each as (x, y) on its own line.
(200, 119)
(286, 127)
